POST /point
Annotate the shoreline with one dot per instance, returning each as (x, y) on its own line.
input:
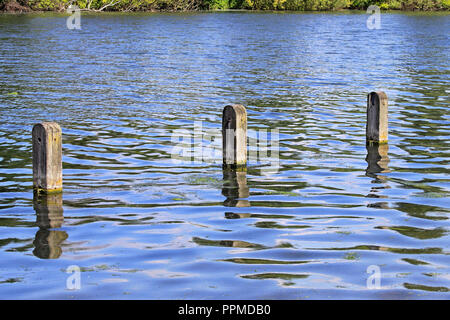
(181, 6)
(5, 12)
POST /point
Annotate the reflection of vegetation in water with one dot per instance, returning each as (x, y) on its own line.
(232, 215)
(6, 242)
(289, 277)
(413, 286)
(388, 249)
(102, 267)
(336, 217)
(298, 204)
(236, 244)
(14, 222)
(343, 232)
(428, 190)
(415, 261)
(433, 194)
(402, 274)
(202, 180)
(282, 276)
(351, 256)
(11, 280)
(261, 261)
(274, 225)
(417, 233)
(431, 274)
(283, 193)
(285, 190)
(227, 243)
(422, 211)
(106, 267)
(119, 220)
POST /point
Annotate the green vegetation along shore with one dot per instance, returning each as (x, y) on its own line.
(188, 5)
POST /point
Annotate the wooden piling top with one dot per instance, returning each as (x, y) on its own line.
(234, 133)
(377, 117)
(47, 157)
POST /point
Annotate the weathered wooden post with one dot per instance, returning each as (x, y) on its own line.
(377, 118)
(47, 157)
(234, 135)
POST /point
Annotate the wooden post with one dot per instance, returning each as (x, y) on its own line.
(234, 135)
(47, 157)
(377, 117)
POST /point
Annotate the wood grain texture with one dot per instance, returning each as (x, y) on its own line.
(47, 157)
(377, 117)
(234, 135)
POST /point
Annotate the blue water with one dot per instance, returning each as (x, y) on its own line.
(140, 226)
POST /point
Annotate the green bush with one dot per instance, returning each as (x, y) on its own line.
(215, 4)
(177, 5)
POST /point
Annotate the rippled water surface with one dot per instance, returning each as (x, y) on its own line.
(142, 226)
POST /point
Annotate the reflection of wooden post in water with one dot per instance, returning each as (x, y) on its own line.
(236, 244)
(47, 157)
(377, 158)
(49, 214)
(234, 137)
(232, 215)
(377, 162)
(377, 117)
(235, 188)
(49, 210)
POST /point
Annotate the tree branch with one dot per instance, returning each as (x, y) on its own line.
(112, 3)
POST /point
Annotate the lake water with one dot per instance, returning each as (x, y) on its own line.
(141, 226)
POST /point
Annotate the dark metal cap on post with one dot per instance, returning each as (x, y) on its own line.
(377, 117)
(234, 135)
(47, 157)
